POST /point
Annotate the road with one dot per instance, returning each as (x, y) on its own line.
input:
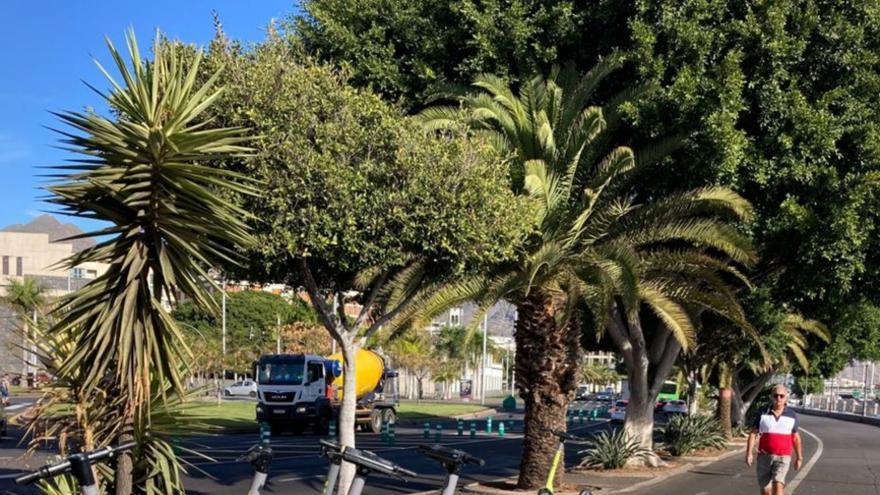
(848, 464)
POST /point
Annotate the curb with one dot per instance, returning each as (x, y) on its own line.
(852, 418)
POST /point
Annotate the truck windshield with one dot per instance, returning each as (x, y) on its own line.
(281, 372)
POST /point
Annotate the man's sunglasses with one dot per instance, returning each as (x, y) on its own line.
(779, 396)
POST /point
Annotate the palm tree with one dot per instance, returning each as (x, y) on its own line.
(749, 376)
(27, 297)
(598, 374)
(592, 244)
(143, 172)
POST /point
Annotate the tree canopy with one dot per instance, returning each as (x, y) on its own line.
(778, 100)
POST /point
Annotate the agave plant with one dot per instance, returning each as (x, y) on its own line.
(685, 434)
(612, 450)
(143, 171)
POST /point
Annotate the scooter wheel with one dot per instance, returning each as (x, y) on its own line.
(585, 492)
(544, 491)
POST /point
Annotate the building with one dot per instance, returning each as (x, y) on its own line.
(37, 255)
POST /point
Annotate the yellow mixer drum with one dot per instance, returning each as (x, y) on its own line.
(369, 367)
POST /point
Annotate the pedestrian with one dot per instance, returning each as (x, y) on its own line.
(777, 426)
(4, 389)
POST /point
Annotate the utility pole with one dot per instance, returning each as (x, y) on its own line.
(335, 308)
(483, 367)
(278, 334)
(223, 316)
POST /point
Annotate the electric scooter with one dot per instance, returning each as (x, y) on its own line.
(557, 460)
(80, 465)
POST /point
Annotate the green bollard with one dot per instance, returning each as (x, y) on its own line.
(392, 436)
(265, 432)
(460, 427)
(501, 428)
(581, 416)
(510, 422)
(439, 434)
(427, 433)
(385, 427)
(489, 424)
(473, 429)
(331, 431)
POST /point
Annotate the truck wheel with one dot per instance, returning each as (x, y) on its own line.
(252, 394)
(389, 416)
(376, 421)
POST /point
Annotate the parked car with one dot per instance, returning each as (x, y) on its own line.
(675, 407)
(582, 393)
(242, 388)
(604, 397)
(618, 412)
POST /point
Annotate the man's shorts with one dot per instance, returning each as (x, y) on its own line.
(772, 469)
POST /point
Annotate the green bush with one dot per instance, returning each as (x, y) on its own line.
(612, 450)
(684, 434)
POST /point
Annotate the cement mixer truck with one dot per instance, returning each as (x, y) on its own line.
(299, 391)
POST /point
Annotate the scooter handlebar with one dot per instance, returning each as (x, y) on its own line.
(52, 470)
(450, 456)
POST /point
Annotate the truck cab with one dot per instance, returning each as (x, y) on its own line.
(293, 391)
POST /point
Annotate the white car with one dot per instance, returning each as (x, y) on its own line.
(675, 407)
(618, 412)
(246, 388)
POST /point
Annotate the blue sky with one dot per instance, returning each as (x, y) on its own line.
(47, 51)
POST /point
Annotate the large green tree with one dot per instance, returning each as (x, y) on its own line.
(252, 319)
(358, 204)
(779, 99)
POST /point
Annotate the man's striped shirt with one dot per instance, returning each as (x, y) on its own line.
(777, 434)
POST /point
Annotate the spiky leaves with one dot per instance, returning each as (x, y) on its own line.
(143, 171)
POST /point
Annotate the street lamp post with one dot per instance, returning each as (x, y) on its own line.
(483, 367)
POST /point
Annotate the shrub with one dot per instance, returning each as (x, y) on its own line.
(612, 450)
(684, 434)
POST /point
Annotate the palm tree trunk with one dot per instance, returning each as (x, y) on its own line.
(124, 475)
(547, 359)
(725, 399)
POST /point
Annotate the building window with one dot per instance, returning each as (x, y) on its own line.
(455, 316)
(6, 265)
(77, 273)
(19, 266)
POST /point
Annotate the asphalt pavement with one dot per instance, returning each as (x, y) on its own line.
(840, 458)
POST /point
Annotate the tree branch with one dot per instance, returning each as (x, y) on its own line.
(664, 367)
(658, 344)
(388, 316)
(325, 313)
(617, 329)
(371, 297)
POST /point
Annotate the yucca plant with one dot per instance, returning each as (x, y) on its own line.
(684, 434)
(143, 171)
(612, 450)
(593, 246)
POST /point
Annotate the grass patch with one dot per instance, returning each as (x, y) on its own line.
(207, 415)
(427, 410)
(229, 414)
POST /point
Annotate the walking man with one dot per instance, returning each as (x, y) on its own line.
(777, 426)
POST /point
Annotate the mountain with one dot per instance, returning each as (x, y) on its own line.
(47, 224)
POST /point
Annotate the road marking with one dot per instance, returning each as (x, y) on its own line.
(806, 469)
(18, 406)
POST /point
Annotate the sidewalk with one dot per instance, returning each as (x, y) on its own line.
(619, 481)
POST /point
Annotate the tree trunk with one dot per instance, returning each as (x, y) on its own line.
(123, 477)
(347, 411)
(547, 359)
(639, 423)
(693, 400)
(725, 398)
